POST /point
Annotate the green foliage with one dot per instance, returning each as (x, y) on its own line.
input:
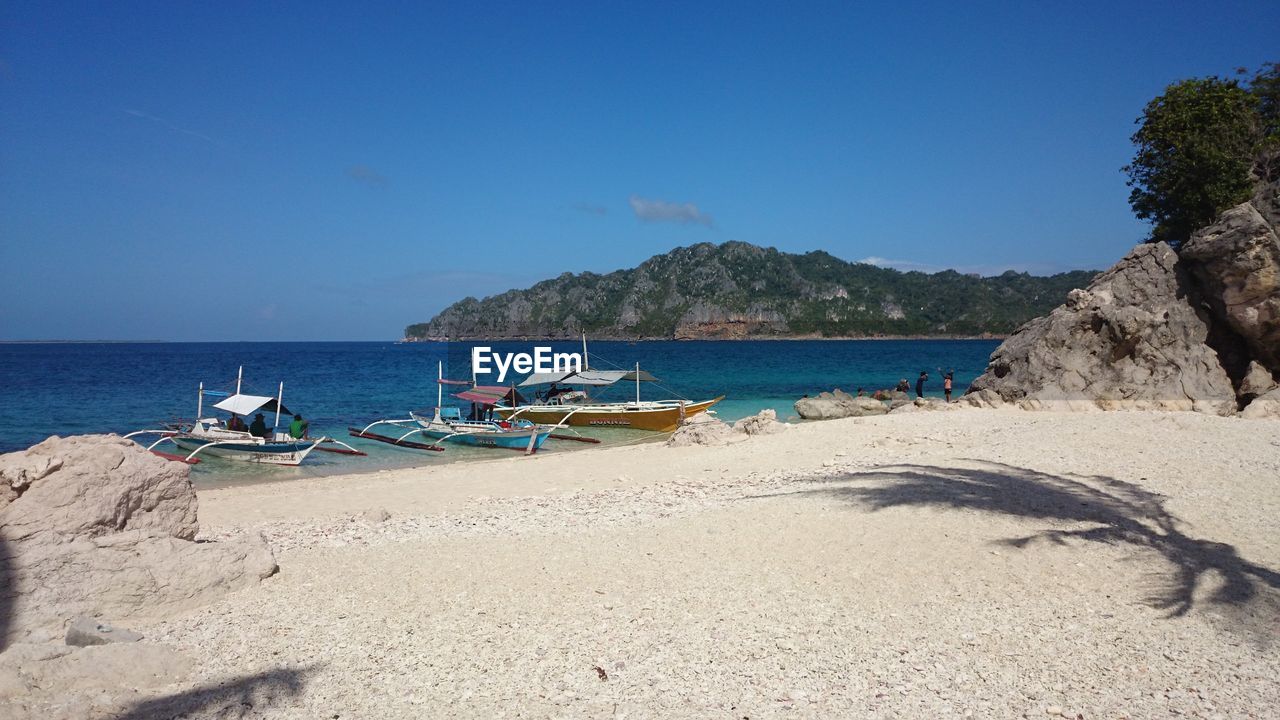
(771, 292)
(1266, 88)
(1201, 146)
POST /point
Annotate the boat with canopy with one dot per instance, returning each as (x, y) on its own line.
(562, 404)
(447, 424)
(212, 436)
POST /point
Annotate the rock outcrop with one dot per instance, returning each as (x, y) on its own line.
(1198, 329)
(96, 526)
(1236, 264)
(838, 404)
(1129, 341)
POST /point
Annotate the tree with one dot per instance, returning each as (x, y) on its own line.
(1196, 145)
(1266, 88)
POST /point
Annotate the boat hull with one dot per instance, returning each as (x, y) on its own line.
(663, 419)
(272, 453)
(512, 440)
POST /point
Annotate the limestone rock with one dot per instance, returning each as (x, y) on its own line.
(1129, 341)
(1264, 406)
(1257, 381)
(984, 398)
(764, 422)
(703, 429)
(838, 404)
(100, 527)
(86, 631)
(91, 485)
(1236, 263)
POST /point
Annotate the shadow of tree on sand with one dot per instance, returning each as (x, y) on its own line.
(241, 697)
(1116, 512)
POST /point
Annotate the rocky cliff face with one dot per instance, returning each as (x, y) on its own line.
(737, 290)
(1195, 331)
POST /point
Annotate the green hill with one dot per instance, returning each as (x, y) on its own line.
(738, 290)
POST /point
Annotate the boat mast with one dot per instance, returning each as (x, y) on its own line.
(440, 385)
(637, 383)
(279, 402)
(586, 365)
(239, 377)
(200, 402)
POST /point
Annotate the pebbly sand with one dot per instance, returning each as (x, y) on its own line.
(951, 564)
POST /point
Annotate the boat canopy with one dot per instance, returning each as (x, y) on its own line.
(491, 395)
(588, 377)
(249, 404)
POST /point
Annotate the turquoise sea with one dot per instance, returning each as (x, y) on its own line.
(73, 388)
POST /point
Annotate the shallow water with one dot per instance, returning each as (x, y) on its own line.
(72, 388)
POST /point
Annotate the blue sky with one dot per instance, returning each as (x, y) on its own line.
(317, 171)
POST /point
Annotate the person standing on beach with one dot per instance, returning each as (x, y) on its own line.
(920, 383)
(946, 384)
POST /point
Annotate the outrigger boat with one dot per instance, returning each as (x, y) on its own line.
(446, 424)
(577, 408)
(211, 436)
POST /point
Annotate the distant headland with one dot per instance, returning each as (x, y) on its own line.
(738, 291)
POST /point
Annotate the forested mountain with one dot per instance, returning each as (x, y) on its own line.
(738, 290)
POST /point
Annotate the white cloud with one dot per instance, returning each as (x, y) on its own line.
(662, 211)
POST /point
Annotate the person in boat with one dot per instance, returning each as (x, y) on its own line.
(235, 423)
(299, 428)
(258, 428)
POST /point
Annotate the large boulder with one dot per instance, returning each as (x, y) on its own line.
(1129, 341)
(838, 404)
(1236, 264)
(86, 496)
(96, 526)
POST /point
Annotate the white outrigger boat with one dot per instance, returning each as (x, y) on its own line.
(212, 436)
(446, 424)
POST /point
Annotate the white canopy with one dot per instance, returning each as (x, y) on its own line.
(249, 404)
(544, 378)
(587, 377)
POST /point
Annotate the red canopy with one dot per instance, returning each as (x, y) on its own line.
(490, 395)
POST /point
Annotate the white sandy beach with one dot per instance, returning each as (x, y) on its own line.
(969, 563)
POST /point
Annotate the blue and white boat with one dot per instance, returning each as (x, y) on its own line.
(211, 436)
(447, 424)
